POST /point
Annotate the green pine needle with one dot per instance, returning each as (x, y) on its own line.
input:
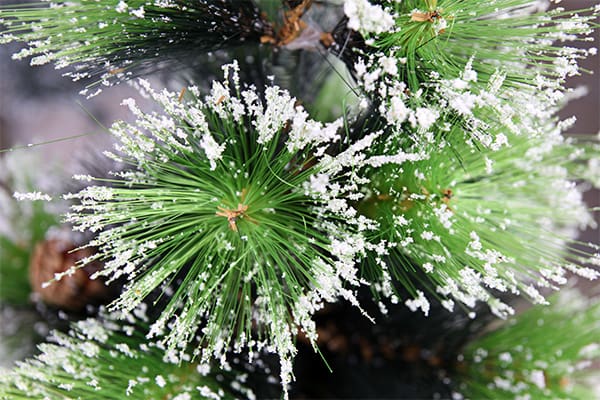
(520, 38)
(544, 353)
(501, 64)
(113, 39)
(103, 358)
(215, 196)
(476, 221)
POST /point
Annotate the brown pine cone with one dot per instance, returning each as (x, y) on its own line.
(73, 292)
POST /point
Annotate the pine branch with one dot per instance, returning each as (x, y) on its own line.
(216, 189)
(112, 40)
(476, 220)
(520, 38)
(112, 359)
(546, 352)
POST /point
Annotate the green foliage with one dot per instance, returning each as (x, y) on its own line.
(113, 360)
(475, 219)
(215, 197)
(116, 39)
(245, 217)
(544, 353)
(518, 37)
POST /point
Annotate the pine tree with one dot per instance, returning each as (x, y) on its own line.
(370, 189)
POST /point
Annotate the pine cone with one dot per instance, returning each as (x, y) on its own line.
(72, 292)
